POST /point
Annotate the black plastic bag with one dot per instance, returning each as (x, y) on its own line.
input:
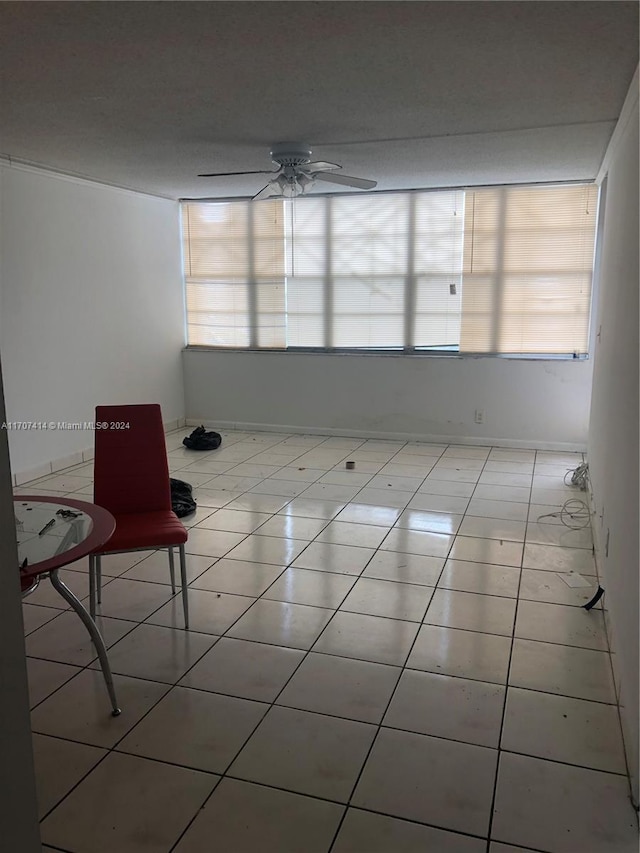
(200, 439)
(182, 502)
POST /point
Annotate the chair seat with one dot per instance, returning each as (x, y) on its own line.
(145, 530)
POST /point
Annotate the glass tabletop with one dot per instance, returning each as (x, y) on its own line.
(54, 531)
(44, 530)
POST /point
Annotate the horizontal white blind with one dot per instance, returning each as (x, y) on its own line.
(369, 244)
(357, 264)
(307, 272)
(438, 230)
(268, 273)
(498, 270)
(216, 274)
(234, 274)
(527, 274)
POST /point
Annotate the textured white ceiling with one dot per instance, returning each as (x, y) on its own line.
(146, 95)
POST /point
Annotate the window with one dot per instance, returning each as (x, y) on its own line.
(527, 269)
(504, 270)
(234, 274)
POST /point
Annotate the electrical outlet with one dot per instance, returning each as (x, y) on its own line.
(479, 416)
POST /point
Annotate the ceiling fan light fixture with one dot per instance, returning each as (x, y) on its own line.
(287, 185)
(305, 182)
(297, 173)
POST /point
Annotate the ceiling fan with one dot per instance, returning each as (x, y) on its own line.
(296, 173)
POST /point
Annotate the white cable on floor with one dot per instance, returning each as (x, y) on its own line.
(574, 513)
(579, 476)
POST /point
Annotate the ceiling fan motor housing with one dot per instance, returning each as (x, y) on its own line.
(291, 154)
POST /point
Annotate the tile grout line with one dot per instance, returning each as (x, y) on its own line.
(273, 703)
(491, 806)
(353, 499)
(384, 713)
(112, 748)
(506, 690)
(169, 686)
(327, 654)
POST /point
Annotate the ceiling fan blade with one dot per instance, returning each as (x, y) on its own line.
(360, 183)
(265, 192)
(224, 174)
(319, 166)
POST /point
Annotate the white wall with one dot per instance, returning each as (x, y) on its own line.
(525, 403)
(18, 805)
(613, 433)
(91, 307)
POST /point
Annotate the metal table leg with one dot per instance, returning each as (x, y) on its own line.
(92, 628)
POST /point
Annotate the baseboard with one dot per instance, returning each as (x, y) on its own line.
(598, 550)
(171, 426)
(81, 457)
(524, 444)
(22, 477)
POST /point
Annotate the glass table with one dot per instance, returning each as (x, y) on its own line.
(52, 532)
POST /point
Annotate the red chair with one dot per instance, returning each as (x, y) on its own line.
(131, 480)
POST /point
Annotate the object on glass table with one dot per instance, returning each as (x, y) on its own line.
(68, 513)
(47, 526)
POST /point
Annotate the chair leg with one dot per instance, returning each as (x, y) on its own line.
(92, 628)
(172, 571)
(183, 578)
(99, 577)
(92, 585)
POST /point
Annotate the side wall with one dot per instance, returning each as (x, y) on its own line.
(92, 309)
(524, 403)
(18, 803)
(613, 432)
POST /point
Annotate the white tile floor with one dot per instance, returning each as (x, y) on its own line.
(383, 660)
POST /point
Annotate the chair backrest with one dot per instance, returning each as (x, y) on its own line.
(131, 473)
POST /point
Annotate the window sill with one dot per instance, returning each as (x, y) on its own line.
(394, 353)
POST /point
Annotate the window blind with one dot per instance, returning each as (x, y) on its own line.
(234, 274)
(437, 264)
(527, 272)
(368, 267)
(308, 273)
(375, 271)
(216, 274)
(497, 270)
